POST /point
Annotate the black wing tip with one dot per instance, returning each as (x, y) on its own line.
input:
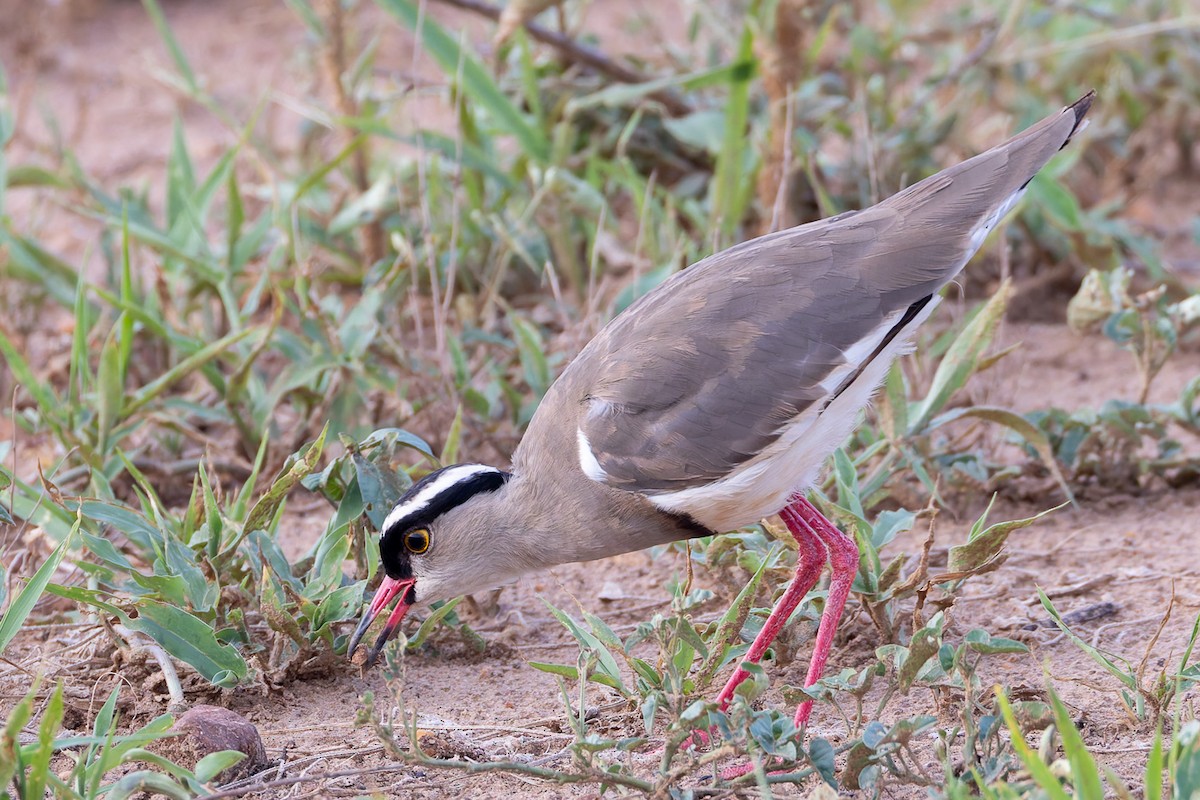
(1080, 107)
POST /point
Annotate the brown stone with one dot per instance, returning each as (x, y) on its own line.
(205, 729)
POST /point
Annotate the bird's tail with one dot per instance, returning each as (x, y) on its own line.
(976, 194)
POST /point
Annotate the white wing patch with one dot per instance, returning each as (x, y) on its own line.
(456, 474)
(587, 459)
(764, 484)
(857, 354)
(981, 233)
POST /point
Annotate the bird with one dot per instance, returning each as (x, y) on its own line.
(713, 402)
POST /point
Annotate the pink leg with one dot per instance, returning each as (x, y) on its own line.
(809, 561)
(843, 561)
(809, 526)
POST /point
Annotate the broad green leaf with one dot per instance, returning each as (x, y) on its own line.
(1186, 752)
(564, 670)
(133, 524)
(985, 545)
(1057, 201)
(924, 646)
(189, 639)
(380, 486)
(145, 782)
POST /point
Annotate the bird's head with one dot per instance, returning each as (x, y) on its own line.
(433, 545)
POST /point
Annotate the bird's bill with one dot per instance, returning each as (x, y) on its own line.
(389, 589)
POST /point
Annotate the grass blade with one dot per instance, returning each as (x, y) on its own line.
(961, 359)
(184, 368)
(732, 179)
(164, 31)
(477, 83)
(1125, 676)
(16, 614)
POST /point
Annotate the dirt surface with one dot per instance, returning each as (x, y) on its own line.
(92, 67)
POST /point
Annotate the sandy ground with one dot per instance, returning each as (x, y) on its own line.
(92, 67)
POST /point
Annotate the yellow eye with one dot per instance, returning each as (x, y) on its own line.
(417, 541)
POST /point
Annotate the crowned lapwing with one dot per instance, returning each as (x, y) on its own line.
(713, 401)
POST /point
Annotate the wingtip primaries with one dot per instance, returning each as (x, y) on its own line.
(1081, 108)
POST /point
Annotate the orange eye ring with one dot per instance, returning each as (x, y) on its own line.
(416, 541)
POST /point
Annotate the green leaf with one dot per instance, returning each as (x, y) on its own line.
(924, 646)
(960, 360)
(184, 368)
(1084, 775)
(47, 401)
(565, 670)
(22, 605)
(1057, 201)
(730, 624)
(144, 783)
(380, 486)
(431, 622)
(532, 352)
(18, 718)
(1186, 752)
(980, 641)
(189, 639)
(164, 31)
(1041, 773)
(214, 764)
(1126, 676)
(269, 503)
(110, 385)
(477, 84)
(1036, 438)
(453, 439)
(823, 758)
(1152, 783)
(609, 673)
(37, 759)
(983, 546)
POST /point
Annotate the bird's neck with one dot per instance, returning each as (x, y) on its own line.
(581, 520)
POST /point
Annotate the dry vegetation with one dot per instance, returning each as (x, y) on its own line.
(263, 264)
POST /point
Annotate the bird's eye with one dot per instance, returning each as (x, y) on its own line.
(417, 541)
